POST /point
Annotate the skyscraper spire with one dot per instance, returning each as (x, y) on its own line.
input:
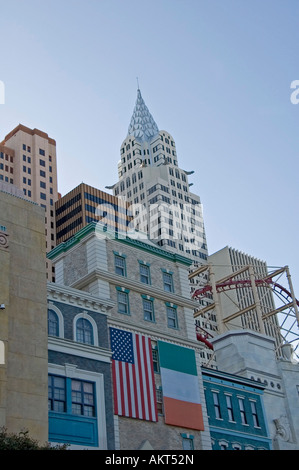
(142, 125)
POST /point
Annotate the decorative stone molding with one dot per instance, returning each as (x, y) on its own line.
(4, 240)
(287, 352)
(82, 350)
(282, 428)
(81, 299)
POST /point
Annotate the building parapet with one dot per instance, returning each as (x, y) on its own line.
(100, 230)
(23, 128)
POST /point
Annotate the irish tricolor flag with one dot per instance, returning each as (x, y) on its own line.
(180, 386)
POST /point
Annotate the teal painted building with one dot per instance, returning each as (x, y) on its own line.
(235, 412)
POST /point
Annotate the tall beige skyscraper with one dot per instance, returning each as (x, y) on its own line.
(23, 316)
(28, 160)
(251, 297)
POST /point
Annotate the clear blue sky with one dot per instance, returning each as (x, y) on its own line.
(216, 74)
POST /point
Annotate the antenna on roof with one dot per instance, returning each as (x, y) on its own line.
(137, 83)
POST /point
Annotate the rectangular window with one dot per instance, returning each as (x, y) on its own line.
(42, 184)
(83, 402)
(42, 152)
(148, 310)
(42, 162)
(242, 411)
(167, 281)
(43, 196)
(254, 414)
(188, 443)
(172, 318)
(229, 408)
(123, 303)
(120, 265)
(42, 173)
(216, 405)
(56, 394)
(144, 273)
(159, 398)
(155, 360)
(71, 396)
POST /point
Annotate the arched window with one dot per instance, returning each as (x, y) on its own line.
(84, 331)
(53, 323)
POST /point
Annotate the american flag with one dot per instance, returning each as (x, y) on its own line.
(133, 375)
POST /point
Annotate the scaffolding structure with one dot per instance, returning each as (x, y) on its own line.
(279, 318)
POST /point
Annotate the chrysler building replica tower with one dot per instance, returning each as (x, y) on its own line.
(150, 179)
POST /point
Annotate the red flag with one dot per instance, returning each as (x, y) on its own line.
(133, 375)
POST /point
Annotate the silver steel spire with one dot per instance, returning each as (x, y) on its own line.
(142, 125)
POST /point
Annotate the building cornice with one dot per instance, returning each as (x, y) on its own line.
(34, 131)
(153, 334)
(136, 286)
(74, 348)
(223, 377)
(78, 298)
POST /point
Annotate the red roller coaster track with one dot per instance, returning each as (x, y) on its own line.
(223, 286)
(203, 339)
